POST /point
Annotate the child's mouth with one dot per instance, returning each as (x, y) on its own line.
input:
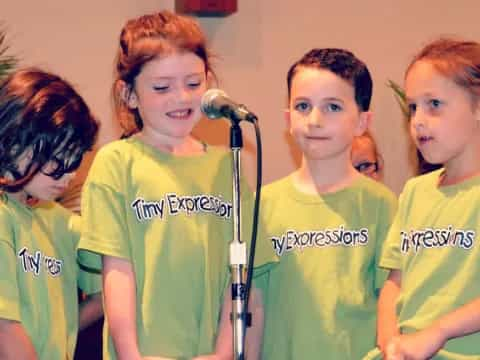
(424, 139)
(313, 137)
(180, 114)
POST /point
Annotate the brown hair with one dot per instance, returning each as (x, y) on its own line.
(41, 113)
(457, 60)
(143, 39)
(342, 63)
(367, 135)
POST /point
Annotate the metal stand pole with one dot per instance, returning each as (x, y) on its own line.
(238, 252)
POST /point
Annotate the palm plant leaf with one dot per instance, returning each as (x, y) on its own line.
(423, 166)
(7, 62)
(400, 97)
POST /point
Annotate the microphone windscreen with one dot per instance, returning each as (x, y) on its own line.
(208, 104)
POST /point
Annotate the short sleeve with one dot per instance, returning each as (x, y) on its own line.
(386, 218)
(104, 229)
(265, 257)
(9, 294)
(89, 281)
(104, 222)
(391, 257)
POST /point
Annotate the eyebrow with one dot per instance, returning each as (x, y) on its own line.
(427, 94)
(173, 77)
(333, 99)
(323, 99)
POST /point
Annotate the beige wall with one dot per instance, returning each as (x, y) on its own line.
(76, 39)
(255, 47)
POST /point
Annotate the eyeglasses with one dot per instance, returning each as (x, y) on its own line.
(367, 167)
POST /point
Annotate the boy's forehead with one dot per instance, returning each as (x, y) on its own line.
(312, 81)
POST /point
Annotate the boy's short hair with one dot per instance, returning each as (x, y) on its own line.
(342, 63)
(42, 120)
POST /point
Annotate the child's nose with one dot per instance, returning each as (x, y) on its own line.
(184, 94)
(315, 118)
(418, 120)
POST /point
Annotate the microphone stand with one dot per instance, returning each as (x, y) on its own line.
(238, 252)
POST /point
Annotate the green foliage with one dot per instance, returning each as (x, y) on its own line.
(399, 96)
(423, 166)
(7, 62)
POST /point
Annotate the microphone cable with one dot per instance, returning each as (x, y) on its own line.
(256, 209)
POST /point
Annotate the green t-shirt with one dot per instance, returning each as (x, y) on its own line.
(433, 241)
(39, 274)
(171, 217)
(321, 297)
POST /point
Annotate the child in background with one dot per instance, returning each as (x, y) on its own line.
(326, 222)
(429, 306)
(365, 156)
(45, 128)
(157, 204)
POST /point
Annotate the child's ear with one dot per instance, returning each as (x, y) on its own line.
(132, 100)
(211, 80)
(127, 94)
(364, 121)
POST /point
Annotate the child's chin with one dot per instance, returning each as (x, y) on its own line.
(431, 159)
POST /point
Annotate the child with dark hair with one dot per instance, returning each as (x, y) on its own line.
(326, 222)
(45, 128)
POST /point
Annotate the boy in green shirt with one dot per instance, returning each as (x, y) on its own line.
(326, 222)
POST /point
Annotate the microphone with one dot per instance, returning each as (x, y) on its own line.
(216, 104)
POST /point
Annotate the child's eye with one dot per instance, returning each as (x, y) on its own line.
(412, 108)
(161, 88)
(367, 167)
(434, 103)
(53, 169)
(302, 107)
(332, 107)
(194, 85)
